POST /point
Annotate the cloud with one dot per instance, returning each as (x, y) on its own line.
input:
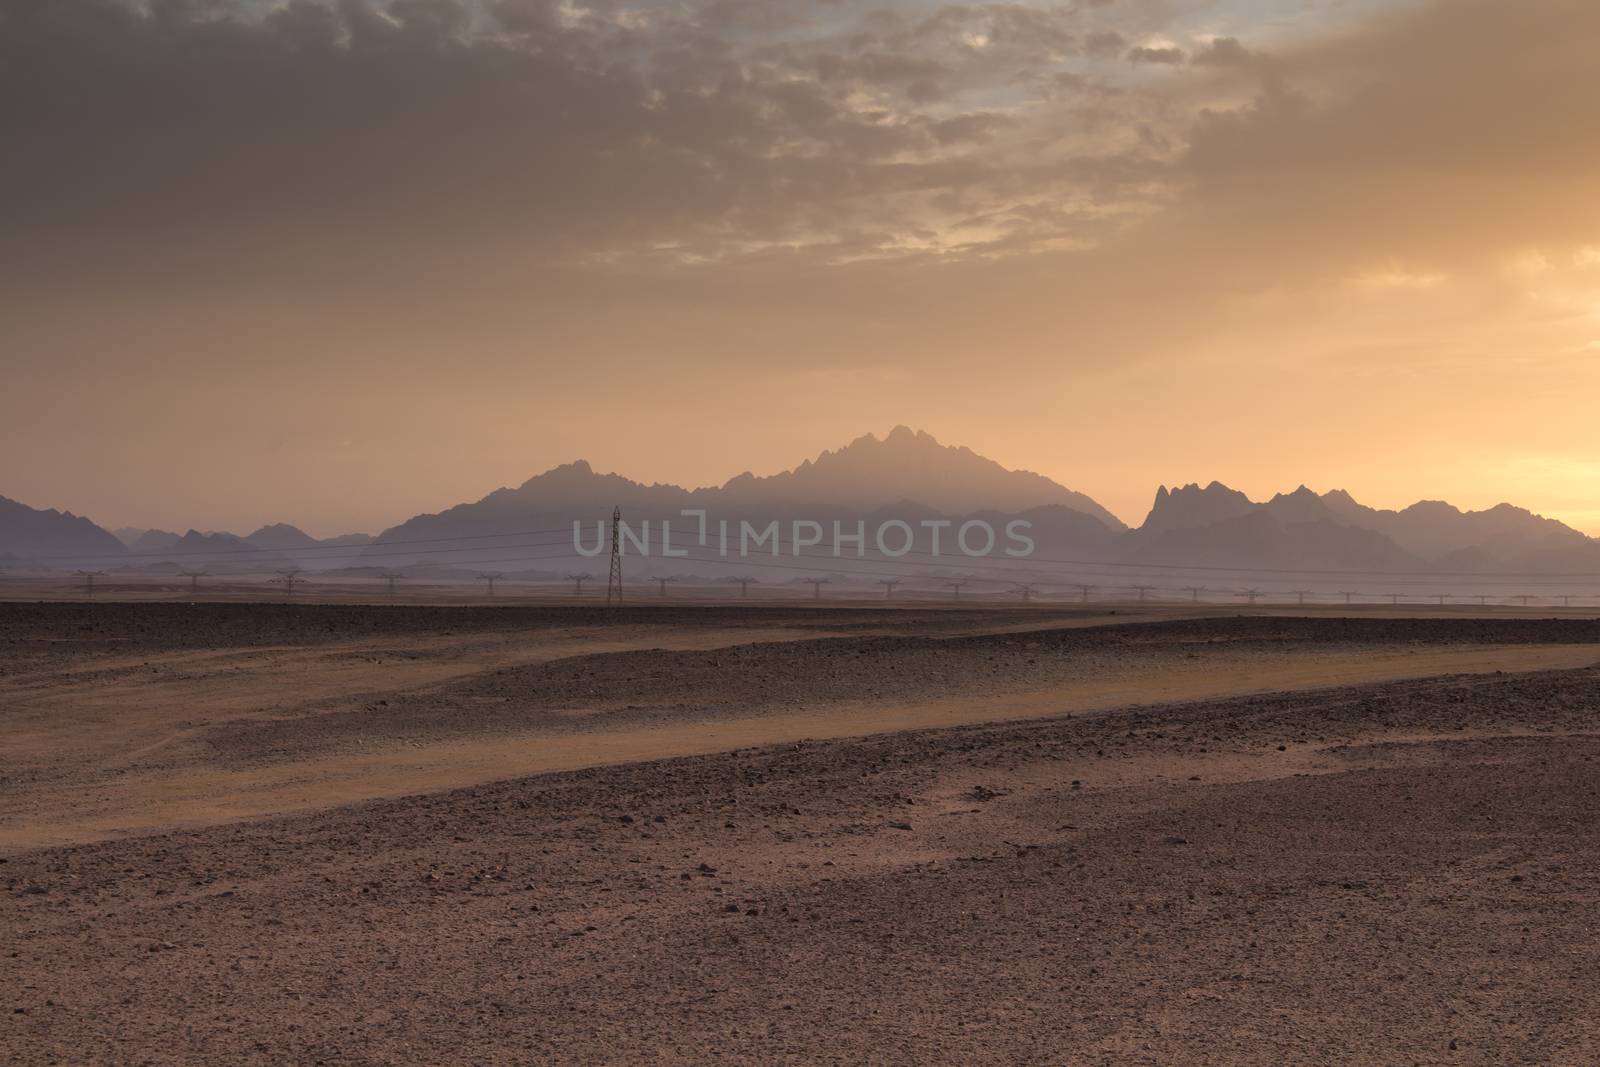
(1165, 56)
(1225, 52)
(587, 129)
(358, 218)
(813, 148)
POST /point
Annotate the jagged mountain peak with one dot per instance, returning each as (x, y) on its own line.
(911, 463)
(32, 532)
(862, 477)
(1191, 505)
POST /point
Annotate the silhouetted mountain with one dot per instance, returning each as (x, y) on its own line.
(1189, 506)
(907, 476)
(280, 536)
(154, 541)
(1260, 539)
(911, 465)
(1219, 524)
(1432, 528)
(297, 548)
(195, 543)
(216, 553)
(52, 536)
(346, 540)
(1567, 558)
(128, 534)
(1302, 505)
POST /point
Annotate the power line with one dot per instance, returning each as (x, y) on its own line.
(253, 549)
(964, 561)
(614, 579)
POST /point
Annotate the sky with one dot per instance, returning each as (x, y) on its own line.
(339, 263)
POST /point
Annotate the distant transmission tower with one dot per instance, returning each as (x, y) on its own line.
(1084, 591)
(614, 581)
(288, 579)
(661, 585)
(816, 587)
(1252, 595)
(491, 577)
(194, 580)
(88, 579)
(888, 587)
(955, 588)
(1143, 591)
(577, 581)
(391, 577)
(1194, 592)
(1026, 589)
(744, 585)
(1347, 596)
(1442, 598)
(1302, 594)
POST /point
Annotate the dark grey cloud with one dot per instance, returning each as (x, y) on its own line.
(217, 136)
(1226, 52)
(1165, 56)
(585, 129)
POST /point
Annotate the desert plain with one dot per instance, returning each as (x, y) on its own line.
(242, 833)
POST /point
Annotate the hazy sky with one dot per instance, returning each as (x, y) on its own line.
(337, 263)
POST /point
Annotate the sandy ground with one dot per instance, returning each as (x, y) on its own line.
(124, 718)
(237, 835)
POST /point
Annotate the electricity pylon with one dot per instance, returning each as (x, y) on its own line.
(614, 580)
(1142, 590)
(744, 585)
(888, 587)
(1194, 592)
(1525, 597)
(1085, 590)
(1302, 594)
(1394, 598)
(391, 577)
(1348, 596)
(661, 585)
(1442, 598)
(956, 587)
(491, 577)
(816, 586)
(1252, 595)
(88, 579)
(194, 580)
(288, 579)
(1026, 589)
(577, 581)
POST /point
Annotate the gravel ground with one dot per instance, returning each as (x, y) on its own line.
(1397, 873)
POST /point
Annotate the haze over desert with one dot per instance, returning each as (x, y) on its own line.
(799, 532)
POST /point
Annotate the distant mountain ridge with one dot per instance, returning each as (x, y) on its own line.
(1195, 523)
(32, 534)
(949, 480)
(906, 475)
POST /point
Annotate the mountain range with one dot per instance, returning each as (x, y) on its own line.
(906, 476)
